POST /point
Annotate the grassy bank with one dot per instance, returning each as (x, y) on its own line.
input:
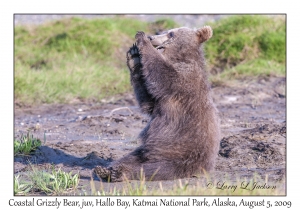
(76, 59)
(71, 59)
(248, 45)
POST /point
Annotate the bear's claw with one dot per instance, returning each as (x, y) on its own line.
(134, 51)
(134, 60)
(102, 172)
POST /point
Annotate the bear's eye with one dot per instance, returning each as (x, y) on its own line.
(171, 34)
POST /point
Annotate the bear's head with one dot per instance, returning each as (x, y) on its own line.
(181, 40)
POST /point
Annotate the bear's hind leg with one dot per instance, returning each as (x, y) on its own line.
(148, 171)
(122, 169)
(110, 174)
(162, 170)
(102, 172)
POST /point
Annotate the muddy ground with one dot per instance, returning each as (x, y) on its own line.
(78, 137)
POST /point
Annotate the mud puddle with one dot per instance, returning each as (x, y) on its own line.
(78, 137)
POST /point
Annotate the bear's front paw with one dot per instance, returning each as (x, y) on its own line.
(133, 59)
(140, 39)
(140, 35)
(133, 52)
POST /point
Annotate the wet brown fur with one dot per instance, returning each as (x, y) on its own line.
(171, 86)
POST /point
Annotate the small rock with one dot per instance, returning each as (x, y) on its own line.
(87, 117)
(79, 118)
(37, 126)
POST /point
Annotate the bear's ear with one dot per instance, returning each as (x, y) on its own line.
(204, 33)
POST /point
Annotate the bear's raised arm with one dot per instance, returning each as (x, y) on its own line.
(158, 73)
(143, 97)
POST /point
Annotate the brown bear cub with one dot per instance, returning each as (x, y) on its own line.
(170, 83)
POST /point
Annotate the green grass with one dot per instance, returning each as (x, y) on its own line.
(26, 145)
(247, 45)
(21, 187)
(76, 82)
(250, 69)
(55, 182)
(73, 60)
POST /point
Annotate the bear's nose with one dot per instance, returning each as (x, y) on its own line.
(150, 38)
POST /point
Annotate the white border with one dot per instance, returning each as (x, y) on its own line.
(154, 6)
